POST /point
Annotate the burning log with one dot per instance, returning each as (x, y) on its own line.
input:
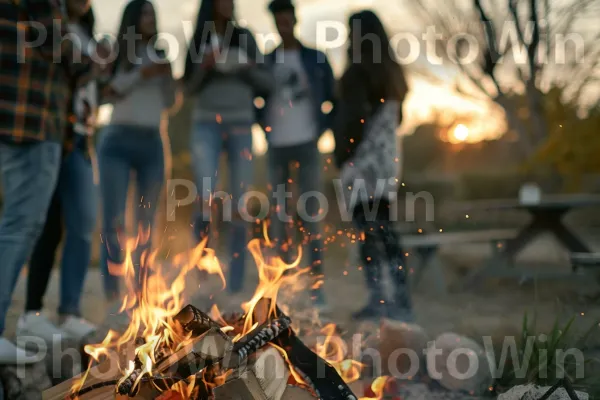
(256, 340)
(258, 366)
(297, 393)
(318, 373)
(265, 378)
(246, 387)
(65, 389)
(207, 346)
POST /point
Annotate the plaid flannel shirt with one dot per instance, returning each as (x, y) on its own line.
(34, 81)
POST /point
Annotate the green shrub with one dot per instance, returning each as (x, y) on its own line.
(538, 360)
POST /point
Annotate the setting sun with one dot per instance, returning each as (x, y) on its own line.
(461, 133)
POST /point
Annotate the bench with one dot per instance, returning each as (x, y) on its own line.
(425, 247)
(585, 260)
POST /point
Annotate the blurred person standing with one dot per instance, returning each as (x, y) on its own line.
(224, 74)
(372, 91)
(141, 90)
(74, 200)
(293, 121)
(35, 92)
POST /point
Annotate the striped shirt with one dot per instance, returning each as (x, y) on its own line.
(34, 81)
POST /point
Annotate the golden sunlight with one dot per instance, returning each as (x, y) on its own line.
(461, 133)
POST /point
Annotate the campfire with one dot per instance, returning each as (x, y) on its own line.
(175, 351)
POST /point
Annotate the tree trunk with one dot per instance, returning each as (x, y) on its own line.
(539, 126)
(515, 124)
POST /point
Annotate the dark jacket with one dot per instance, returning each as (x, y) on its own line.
(320, 75)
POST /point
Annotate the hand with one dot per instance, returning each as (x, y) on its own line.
(100, 68)
(103, 51)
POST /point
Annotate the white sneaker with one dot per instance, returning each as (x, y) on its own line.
(37, 325)
(76, 327)
(12, 355)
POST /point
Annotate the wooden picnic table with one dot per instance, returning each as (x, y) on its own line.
(546, 217)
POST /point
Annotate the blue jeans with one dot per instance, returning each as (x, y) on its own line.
(75, 204)
(29, 175)
(306, 160)
(208, 140)
(121, 150)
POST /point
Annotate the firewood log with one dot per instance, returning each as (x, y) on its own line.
(297, 393)
(170, 395)
(187, 361)
(97, 375)
(263, 378)
(242, 387)
(272, 372)
(197, 353)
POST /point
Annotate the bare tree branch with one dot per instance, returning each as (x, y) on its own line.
(475, 80)
(535, 39)
(547, 10)
(469, 93)
(491, 54)
(567, 16)
(514, 11)
(513, 7)
(536, 72)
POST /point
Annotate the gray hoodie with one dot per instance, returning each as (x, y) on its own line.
(228, 91)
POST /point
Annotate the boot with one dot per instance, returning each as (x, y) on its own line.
(401, 308)
(375, 309)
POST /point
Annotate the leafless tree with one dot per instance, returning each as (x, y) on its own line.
(524, 47)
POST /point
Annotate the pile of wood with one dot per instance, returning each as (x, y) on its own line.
(255, 367)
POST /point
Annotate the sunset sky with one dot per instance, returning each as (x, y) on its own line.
(426, 95)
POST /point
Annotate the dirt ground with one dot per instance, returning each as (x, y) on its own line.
(496, 309)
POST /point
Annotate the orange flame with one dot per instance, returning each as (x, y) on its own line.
(378, 388)
(334, 349)
(271, 277)
(153, 305)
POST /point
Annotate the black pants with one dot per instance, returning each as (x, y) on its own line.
(381, 245)
(43, 257)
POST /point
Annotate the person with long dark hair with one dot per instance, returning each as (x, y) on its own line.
(372, 91)
(223, 76)
(74, 202)
(142, 90)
